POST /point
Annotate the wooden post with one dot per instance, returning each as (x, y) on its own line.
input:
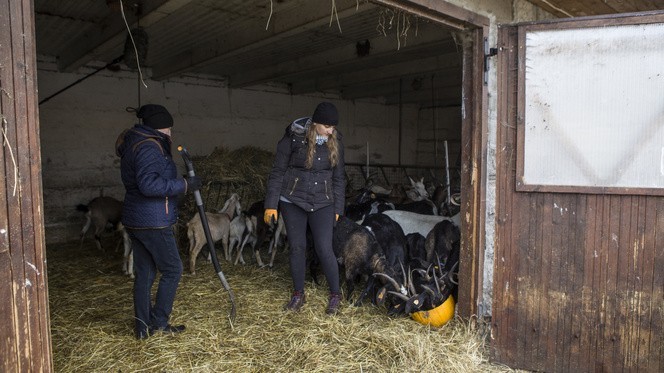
(25, 339)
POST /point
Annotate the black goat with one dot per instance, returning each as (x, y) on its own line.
(425, 286)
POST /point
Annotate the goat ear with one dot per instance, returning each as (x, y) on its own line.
(412, 183)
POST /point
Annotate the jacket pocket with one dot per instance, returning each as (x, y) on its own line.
(327, 194)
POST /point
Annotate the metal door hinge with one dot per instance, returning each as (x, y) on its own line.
(488, 52)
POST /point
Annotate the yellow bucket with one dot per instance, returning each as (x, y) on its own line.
(438, 316)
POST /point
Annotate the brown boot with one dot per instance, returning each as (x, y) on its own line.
(296, 302)
(333, 303)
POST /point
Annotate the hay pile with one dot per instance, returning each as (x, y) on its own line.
(243, 171)
(92, 326)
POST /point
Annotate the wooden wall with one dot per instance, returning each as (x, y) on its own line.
(579, 278)
(25, 341)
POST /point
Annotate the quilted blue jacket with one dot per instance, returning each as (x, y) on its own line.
(150, 178)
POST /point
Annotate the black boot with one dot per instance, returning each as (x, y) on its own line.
(296, 302)
(333, 303)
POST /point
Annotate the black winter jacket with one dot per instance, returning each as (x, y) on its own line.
(150, 178)
(311, 189)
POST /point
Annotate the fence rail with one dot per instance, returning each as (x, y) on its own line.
(357, 174)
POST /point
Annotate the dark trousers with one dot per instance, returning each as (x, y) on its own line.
(154, 250)
(321, 223)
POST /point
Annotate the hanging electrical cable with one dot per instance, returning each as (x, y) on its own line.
(136, 48)
(135, 54)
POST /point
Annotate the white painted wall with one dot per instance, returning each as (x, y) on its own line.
(80, 126)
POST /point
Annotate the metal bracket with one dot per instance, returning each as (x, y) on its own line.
(488, 52)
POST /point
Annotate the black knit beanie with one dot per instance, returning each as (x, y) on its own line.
(326, 113)
(155, 116)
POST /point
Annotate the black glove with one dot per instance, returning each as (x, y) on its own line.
(193, 183)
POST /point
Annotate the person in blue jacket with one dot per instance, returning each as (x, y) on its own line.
(152, 187)
(307, 185)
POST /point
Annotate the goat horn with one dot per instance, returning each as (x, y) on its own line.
(411, 286)
(392, 281)
(428, 289)
(451, 273)
(424, 274)
(398, 295)
(435, 281)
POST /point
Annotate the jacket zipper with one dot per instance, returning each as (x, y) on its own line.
(326, 195)
(294, 184)
(166, 205)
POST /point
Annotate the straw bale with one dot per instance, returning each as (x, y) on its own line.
(92, 325)
(243, 171)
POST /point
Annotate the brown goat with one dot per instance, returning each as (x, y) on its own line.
(219, 230)
(102, 212)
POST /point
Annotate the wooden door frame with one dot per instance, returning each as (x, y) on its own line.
(474, 138)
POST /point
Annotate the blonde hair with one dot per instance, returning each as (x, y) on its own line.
(332, 146)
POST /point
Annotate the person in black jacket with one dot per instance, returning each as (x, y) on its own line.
(149, 212)
(307, 185)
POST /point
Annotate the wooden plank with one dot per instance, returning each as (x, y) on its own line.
(563, 244)
(575, 359)
(638, 299)
(503, 211)
(25, 331)
(8, 348)
(39, 308)
(14, 197)
(656, 337)
(587, 324)
(535, 318)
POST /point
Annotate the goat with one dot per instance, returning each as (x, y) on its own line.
(358, 253)
(103, 212)
(241, 228)
(446, 206)
(411, 222)
(219, 224)
(441, 241)
(415, 244)
(375, 246)
(280, 234)
(257, 232)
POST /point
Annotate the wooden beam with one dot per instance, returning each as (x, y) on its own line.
(439, 11)
(411, 84)
(112, 32)
(443, 62)
(286, 21)
(443, 96)
(430, 39)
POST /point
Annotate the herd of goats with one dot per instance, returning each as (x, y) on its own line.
(404, 248)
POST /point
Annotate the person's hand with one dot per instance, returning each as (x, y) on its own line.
(193, 183)
(336, 217)
(270, 216)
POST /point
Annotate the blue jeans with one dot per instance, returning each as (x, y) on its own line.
(154, 250)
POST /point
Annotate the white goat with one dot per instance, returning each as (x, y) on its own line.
(219, 229)
(279, 231)
(240, 230)
(411, 222)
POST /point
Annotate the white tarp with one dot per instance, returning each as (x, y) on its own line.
(594, 107)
